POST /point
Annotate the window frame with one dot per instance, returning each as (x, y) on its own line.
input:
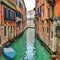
(0, 40)
(51, 34)
(5, 13)
(5, 31)
(9, 14)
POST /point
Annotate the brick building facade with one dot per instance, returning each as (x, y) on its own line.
(11, 19)
(47, 23)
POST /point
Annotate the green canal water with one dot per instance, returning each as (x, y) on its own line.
(29, 48)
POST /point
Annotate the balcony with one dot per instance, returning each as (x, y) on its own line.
(56, 18)
(9, 20)
(18, 19)
(18, 16)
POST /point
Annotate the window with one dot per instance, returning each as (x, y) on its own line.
(0, 22)
(39, 11)
(5, 13)
(17, 2)
(37, 0)
(42, 1)
(13, 15)
(4, 30)
(58, 32)
(47, 29)
(0, 40)
(51, 34)
(22, 16)
(43, 12)
(8, 31)
(8, 14)
(48, 11)
(18, 14)
(11, 29)
(17, 24)
(14, 30)
(20, 4)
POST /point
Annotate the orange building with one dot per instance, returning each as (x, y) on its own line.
(20, 16)
(57, 24)
(47, 23)
(7, 21)
(12, 19)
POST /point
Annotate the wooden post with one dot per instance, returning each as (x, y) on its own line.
(54, 57)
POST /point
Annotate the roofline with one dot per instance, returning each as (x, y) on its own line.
(30, 10)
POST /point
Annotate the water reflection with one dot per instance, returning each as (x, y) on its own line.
(30, 40)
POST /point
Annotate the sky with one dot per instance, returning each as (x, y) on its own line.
(30, 4)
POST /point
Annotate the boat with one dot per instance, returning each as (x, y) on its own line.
(7, 45)
(9, 52)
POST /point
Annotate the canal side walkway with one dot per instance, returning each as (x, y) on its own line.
(28, 43)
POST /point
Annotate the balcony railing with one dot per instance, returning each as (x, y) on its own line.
(18, 19)
(9, 20)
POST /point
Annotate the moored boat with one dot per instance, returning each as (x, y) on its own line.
(9, 52)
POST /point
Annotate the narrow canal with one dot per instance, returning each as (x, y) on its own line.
(29, 48)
